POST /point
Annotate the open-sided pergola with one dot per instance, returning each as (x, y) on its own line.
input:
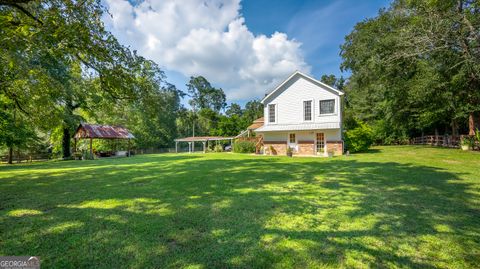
(204, 139)
(97, 131)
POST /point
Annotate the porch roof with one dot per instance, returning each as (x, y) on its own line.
(202, 138)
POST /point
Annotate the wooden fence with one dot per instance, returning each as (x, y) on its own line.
(437, 140)
(443, 141)
(22, 157)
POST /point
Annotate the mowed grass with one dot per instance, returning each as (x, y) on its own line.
(394, 207)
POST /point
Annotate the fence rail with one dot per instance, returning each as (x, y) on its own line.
(437, 140)
(18, 158)
(444, 141)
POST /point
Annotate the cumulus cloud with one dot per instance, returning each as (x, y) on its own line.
(208, 38)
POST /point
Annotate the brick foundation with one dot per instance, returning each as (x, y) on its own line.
(336, 145)
(279, 148)
(306, 148)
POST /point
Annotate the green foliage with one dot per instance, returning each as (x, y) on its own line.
(58, 61)
(333, 81)
(408, 71)
(205, 117)
(244, 147)
(218, 148)
(234, 110)
(15, 130)
(359, 138)
(204, 96)
(468, 141)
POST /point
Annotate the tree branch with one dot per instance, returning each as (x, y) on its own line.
(15, 4)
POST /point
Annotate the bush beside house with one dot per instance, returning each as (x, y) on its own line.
(359, 138)
(244, 147)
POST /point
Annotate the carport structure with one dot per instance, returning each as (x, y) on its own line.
(204, 139)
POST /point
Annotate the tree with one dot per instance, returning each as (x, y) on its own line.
(253, 110)
(56, 44)
(204, 96)
(234, 109)
(151, 116)
(14, 131)
(408, 67)
(332, 80)
(447, 32)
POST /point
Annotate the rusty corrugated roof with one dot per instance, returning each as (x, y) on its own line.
(85, 130)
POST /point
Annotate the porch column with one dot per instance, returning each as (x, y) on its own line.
(176, 146)
(204, 148)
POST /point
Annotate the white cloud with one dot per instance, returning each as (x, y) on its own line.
(207, 38)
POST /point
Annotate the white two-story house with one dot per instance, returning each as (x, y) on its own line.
(304, 114)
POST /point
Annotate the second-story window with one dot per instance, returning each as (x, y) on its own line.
(327, 106)
(307, 110)
(271, 113)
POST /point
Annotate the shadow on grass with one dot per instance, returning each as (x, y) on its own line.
(190, 210)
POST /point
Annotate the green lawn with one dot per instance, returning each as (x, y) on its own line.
(395, 207)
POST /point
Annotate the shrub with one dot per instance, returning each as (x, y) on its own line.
(218, 148)
(359, 139)
(244, 147)
(468, 141)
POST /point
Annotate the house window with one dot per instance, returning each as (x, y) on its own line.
(271, 113)
(307, 110)
(291, 138)
(327, 106)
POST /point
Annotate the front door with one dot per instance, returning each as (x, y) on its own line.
(320, 143)
(292, 141)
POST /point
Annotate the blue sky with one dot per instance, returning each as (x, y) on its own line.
(319, 25)
(245, 47)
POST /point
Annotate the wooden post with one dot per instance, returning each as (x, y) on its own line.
(176, 146)
(91, 148)
(204, 149)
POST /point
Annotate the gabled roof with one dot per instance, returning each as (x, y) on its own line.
(315, 81)
(85, 130)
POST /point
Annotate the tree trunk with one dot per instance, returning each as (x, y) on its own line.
(66, 143)
(477, 125)
(471, 124)
(454, 128)
(10, 155)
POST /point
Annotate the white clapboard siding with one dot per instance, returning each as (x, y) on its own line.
(289, 101)
(330, 135)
